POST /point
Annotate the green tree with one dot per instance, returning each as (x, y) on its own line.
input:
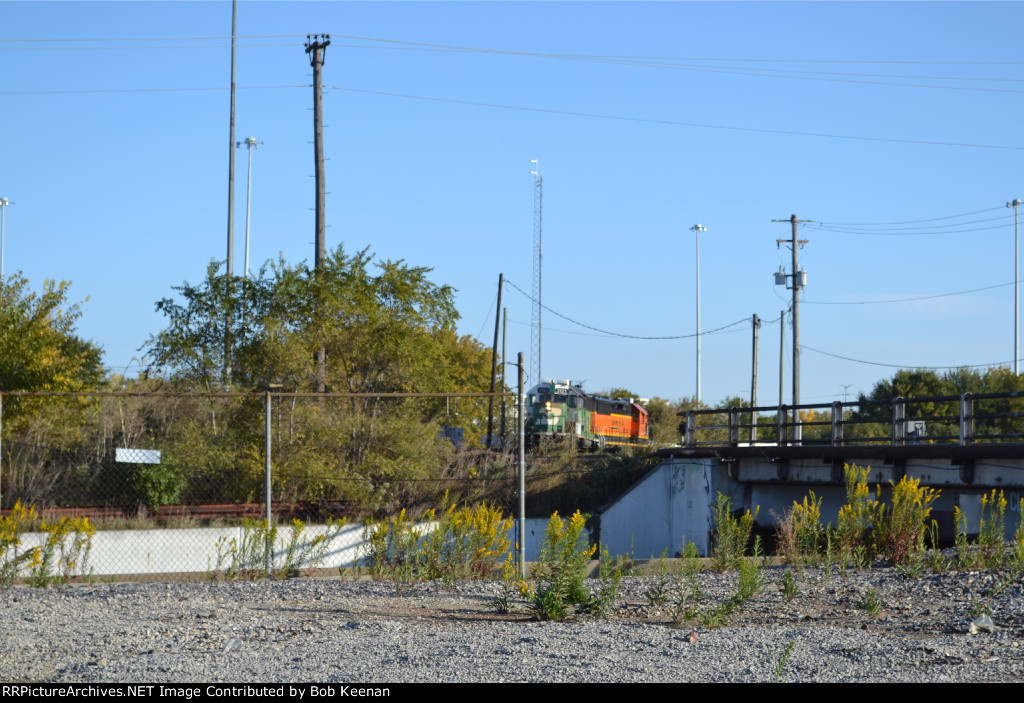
(39, 347)
(385, 328)
(40, 350)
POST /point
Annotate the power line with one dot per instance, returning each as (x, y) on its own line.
(912, 222)
(147, 90)
(906, 300)
(866, 233)
(617, 334)
(673, 123)
(907, 366)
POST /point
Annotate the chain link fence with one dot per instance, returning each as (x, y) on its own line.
(176, 483)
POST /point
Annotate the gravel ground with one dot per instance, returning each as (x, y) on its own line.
(333, 632)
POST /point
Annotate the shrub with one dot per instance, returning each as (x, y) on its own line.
(859, 516)
(732, 534)
(559, 571)
(901, 532)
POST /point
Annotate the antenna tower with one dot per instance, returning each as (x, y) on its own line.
(538, 257)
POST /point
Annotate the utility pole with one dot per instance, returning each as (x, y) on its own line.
(231, 199)
(4, 202)
(504, 367)
(1015, 203)
(756, 322)
(799, 280)
(494, 362)
(782, 368)
(316, 47)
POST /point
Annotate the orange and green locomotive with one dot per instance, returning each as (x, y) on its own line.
(558, 409)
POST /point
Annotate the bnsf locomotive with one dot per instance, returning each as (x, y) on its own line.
(560, 409)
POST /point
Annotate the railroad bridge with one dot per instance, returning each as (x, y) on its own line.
(768, 457)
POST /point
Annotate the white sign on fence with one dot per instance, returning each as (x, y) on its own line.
(137, 456)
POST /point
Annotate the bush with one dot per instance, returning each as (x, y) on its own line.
(732, 534)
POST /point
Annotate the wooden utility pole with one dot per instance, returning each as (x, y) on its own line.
(796, 276)
(316, 46)
(504, 367)
(782, 368)
(494, 361)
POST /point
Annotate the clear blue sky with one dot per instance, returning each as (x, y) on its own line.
(114, 151)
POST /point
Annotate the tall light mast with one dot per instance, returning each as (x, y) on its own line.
(697, 229)
(538, 256)
(4, 202)
(250, 143)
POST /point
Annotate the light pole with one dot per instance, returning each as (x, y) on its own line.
(251, 143)
(4, 202)
(697, 229)
(1015, 203)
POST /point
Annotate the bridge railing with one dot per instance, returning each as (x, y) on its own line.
(965, 419)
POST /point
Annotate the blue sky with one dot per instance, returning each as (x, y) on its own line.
(654, 117)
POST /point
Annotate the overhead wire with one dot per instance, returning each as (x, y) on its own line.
(618, 334)
(912, 222)
(675, 123)
(906, 366)
(906, 300)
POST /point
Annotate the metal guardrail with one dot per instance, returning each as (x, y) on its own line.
(963, 420)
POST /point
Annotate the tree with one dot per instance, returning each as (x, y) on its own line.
(39, 347)
(41, 351)
(385, 328)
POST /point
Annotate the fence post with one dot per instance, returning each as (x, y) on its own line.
(837, 423)
(899, 426)
(266, 475)
(734, 429)
(691, 431)
(966, 419)
(780, 424)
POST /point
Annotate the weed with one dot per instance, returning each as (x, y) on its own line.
(658, 592)
(687, 593)
(1017, 550)
(859, 515)
(913, 568)
(503, 602)
(559, 570)
(255, 557)
(782, 660)
(731, 533)
(807, 524)
(12, 560)
(992, 531)
(609, 577)
(751, 581)
(870, 601)
(966, 555)
(936, 561)
(900, 534)
(66, 547)
(789, 587)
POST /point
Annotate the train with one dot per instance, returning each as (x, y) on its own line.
(558, 409)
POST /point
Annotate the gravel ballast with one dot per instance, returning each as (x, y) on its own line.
(330, 631)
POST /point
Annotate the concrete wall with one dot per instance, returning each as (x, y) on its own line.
(671, 504)
(195, 550)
